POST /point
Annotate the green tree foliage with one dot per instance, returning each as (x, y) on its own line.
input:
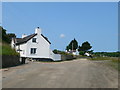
(67, 48)
(6, 37)
(85, 46)
(81, 52)
(91, 51)
(55, 51)
(73, 45)
(11, 35)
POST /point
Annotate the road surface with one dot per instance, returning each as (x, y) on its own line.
(79, 73)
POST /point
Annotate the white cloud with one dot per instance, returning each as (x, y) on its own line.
(62, 35)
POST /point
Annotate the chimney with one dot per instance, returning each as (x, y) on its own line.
(24, 35)
(38, 30)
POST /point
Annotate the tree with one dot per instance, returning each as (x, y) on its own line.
(85, 46)
(80, 48)
(55, 51)
(6, 37)
(11, 35)
(67, 48)
(73, 45)
(81, 52)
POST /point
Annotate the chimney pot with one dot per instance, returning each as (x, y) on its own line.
(24, 35)
(38, 30)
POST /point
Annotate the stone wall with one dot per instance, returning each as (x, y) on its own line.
(67, 57)
(10, 60)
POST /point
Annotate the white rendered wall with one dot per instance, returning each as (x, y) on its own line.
(42, 46)
(23, 51)
(55, 57)
(12, 44)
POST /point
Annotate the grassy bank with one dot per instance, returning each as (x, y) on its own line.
(5, 49)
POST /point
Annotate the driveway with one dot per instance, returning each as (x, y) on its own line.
(80, 73)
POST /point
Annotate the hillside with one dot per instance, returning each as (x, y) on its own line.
(5, 48)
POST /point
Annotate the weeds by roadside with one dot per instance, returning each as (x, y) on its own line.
(104, 58)
(113, 61)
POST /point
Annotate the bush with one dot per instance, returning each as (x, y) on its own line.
(55, 51)
(81, 53)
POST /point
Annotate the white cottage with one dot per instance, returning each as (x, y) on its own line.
(35, 46)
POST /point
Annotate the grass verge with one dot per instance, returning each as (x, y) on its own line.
(115, 64)
(104, 58)
(114, 61)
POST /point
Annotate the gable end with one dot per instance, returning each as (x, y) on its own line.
(46, 38)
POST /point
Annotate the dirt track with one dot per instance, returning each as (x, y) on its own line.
(70, 74)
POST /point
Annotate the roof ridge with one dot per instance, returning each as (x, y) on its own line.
(27, 38)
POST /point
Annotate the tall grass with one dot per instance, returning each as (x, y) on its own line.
(115, 64)
(5, 49)
(104, 58)
(114, 61)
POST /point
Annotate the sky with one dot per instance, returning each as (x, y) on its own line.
(61, 22)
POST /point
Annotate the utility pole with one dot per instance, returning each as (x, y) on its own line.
(72, 46)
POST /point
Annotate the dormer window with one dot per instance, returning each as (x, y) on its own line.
(34, 40)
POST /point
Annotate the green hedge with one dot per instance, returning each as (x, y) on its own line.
(109, 54)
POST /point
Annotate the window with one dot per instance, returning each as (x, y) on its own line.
(33, 50)
(23, 51)
(34, 40)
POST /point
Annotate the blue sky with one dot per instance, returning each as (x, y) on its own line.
(96, 23)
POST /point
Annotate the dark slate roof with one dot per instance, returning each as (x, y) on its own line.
(46, 38)
(25, 39)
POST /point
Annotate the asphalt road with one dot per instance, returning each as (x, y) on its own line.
(69, 74)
